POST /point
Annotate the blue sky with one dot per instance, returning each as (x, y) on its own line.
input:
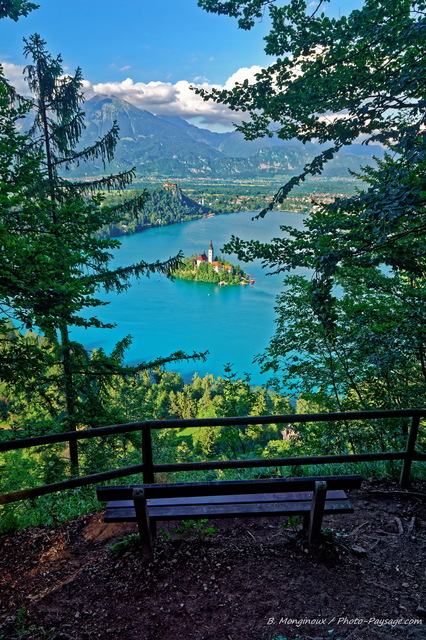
(146, 51)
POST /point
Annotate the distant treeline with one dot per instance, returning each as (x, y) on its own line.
(164, 206)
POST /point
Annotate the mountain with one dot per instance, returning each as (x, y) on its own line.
(170, 148)
(153, 145)
(213, 139)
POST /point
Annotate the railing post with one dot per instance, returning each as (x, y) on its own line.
(404, 480)
(73, 451)
(148, 463)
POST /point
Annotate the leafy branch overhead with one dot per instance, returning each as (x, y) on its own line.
(337, 80)
(334, 79)
(353, 329)
(14, 9)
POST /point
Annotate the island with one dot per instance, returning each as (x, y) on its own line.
(208, 268)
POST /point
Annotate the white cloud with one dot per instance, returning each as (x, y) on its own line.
(161, 98)
(147, 95)
(165, 98)
(14, 73)
(245, 73)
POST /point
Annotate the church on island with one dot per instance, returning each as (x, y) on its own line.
(209, 259)
(207, 268)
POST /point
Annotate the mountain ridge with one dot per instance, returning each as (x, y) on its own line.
(169, 147)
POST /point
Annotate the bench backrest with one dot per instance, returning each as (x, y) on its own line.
(228, 487)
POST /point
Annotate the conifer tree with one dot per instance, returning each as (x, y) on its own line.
(54, 259)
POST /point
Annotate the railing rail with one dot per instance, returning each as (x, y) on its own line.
(149, 467)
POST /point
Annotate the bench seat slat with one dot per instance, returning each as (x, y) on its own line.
(230, 487)
(226, 510)
(229, 499)
(147, 503)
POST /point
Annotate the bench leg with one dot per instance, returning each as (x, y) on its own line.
(317, 510)
(144, 524)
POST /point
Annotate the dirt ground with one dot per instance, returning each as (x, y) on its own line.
(250, 580)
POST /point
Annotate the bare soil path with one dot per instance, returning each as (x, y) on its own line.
(251, 580)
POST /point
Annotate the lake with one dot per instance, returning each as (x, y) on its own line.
(234, 323)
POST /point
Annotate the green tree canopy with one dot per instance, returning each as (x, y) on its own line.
(355, 328)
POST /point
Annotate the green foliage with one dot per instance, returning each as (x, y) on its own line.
(144, 396)
(164, 395)
(198, 529)
(14, 9)
(161, 207)
(351, 334)
(206, 272)
(291, 526)
(128, 543)
(49, 510)
(364, 64)
(367, 68)
(20, 629)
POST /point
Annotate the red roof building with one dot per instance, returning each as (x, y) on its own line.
(201, 258)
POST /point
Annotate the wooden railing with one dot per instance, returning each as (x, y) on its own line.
(148, 467)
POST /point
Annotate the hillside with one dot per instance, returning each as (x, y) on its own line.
(164, 206)
(251, 580)
(170, 148)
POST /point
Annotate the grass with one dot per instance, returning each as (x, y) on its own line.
(127, 543)
(21, 629)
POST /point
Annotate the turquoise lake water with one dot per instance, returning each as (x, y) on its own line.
(234, 323)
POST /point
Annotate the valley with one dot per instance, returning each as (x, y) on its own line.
(231, 195)
(172, 149)
(191, 199)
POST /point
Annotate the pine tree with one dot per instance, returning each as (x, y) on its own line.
(55, 260)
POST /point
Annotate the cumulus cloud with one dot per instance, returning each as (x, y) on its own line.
(165, 98)
(245, 73)
(162, 98)
(15, 75)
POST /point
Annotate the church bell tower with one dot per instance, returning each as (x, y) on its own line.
(210, 255)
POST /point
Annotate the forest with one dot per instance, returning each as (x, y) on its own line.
(161, 207)
(350, 335)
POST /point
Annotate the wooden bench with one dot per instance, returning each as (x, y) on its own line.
(146, 504)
